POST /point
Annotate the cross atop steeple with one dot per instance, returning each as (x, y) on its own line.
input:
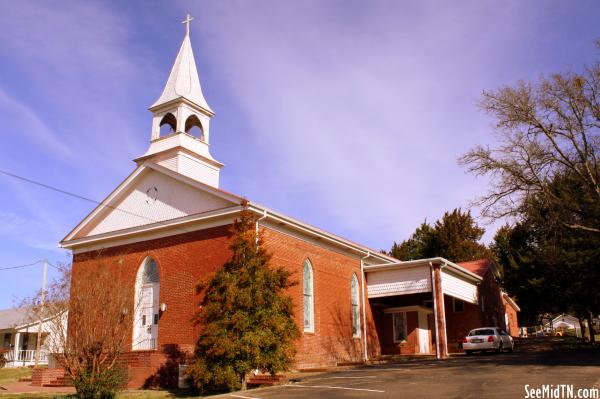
(187, 21)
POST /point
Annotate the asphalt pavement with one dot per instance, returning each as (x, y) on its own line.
(506, 375)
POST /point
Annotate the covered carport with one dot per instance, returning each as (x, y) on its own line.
(407, 300)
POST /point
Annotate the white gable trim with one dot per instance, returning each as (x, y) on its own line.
(112, 196)
(128, 182)
(186, 224)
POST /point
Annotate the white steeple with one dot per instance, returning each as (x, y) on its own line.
(183, 115)
(183, 80)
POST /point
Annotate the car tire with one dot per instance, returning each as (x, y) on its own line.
(512, 348)
(468, 353)
(500, 348)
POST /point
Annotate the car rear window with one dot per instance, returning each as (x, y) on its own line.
(483, 331)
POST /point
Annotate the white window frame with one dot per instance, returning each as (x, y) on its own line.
(355, 305)
(394, 315)
(308, 296)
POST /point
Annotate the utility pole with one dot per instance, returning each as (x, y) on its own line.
(39, 334)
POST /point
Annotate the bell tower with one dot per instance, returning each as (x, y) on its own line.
(181, 122)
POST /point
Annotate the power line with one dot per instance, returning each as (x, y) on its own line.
(81, 197)
(30, 264)
(21, 266)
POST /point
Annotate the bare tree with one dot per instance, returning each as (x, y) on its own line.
(100, 308)
(545, 129)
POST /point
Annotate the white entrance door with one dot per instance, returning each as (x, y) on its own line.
(423, 333)
(148, 317)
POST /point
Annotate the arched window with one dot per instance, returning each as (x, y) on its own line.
(354, 297)
(147, 294)
(194, 127)
(168, 124)
(309, 300)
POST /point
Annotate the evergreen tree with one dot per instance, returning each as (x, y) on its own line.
(455, 237)
(548, 266)
(418, 246)
(246, 318)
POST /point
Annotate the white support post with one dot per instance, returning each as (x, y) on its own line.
(17, 347)
(364, 306)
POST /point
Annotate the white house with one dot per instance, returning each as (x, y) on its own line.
(18, 337)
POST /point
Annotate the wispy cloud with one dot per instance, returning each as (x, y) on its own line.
(26, 122)
(360, 111)
(30, 232)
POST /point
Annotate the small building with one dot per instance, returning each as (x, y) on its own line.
(565, 324)
(18, 337)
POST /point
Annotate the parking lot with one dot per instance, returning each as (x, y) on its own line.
(479, 376)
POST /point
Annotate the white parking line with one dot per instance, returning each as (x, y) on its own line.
(334, 387)
(244, 397)
(366, 376)
(373, 370)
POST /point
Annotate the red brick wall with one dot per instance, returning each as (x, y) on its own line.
(184, 259)
(513, 323)
(493, 306)
(332, 341)
(458, 324)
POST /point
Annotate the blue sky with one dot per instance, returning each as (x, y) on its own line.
(348, 115)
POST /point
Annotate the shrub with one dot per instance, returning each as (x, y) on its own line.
(99, 385)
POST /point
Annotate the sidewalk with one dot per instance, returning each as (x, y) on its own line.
(26, 387)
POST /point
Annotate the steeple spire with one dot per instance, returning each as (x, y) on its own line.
(181, 122)
(183, 81)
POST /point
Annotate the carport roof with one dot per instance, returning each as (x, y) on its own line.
(457, 268)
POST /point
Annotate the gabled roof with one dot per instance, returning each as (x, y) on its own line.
(80, 235)
(479, 267)
(111, 201)
(15, 317)
(183, 81)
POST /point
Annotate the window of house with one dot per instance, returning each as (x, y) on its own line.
(355, 307)
(7, 337)
(400, 333)
(459, 306)
(309, 301)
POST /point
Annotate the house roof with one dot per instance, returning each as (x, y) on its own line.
(15, 317)
(479, 266)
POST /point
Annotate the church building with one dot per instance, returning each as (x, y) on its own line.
(167, 226)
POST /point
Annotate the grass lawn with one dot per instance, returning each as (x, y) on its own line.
(122, 395)
(128, 394)
(13, 375)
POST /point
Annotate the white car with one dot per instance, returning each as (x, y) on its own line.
(486, 339)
